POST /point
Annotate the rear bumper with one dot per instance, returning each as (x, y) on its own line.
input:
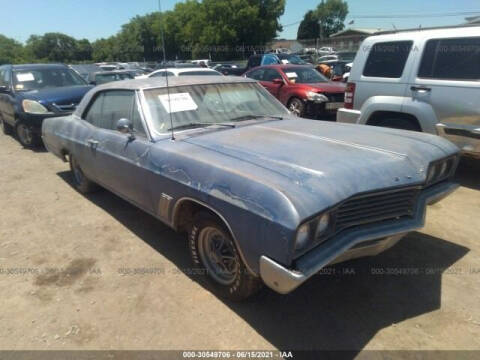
(466, 137)
(348, 116)
(365, 241)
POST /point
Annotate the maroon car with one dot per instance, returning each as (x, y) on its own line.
(302, 89)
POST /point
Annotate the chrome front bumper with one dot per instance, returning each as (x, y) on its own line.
(466, 137)
(348, 245)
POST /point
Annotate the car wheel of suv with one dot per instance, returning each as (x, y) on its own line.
(296, 107)
(214, 252)
(26, 135)
(399, 123)
(80, 181)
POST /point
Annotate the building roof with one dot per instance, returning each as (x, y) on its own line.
(356, 31)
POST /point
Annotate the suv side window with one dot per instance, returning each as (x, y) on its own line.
(451, 59)
(387, 59)
(117, 104)
(94, 112)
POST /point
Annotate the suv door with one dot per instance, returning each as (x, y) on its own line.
(120, 162)
(448, 79)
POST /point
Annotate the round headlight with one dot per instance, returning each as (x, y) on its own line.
(322, 225)
(303, 235)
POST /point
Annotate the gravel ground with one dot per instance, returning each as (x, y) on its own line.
(94, 272)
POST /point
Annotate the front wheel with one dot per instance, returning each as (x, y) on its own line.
(214, 252)
(80, 181)
(26, 135)
(296, 107)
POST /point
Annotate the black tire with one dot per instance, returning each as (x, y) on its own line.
(26, 135)
(399, 123)
(210, 240)
(80, 181)
(296, 107)
(6, 128)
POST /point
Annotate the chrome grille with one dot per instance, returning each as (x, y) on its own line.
(376, 207)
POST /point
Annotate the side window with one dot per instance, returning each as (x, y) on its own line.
(387, 59)
(451, 59)
(117, 104)
(137, 120)
(255, 61)
(94, 112)
(256, 74)
(271, 74)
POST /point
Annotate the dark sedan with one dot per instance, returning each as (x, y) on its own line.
(31, 93)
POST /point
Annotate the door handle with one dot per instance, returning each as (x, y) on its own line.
(420, 88)
(92, 143)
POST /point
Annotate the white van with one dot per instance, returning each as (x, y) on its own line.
(422, 80)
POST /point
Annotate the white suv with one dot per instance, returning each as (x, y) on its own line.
(424, 80)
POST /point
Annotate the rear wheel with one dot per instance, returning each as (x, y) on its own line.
(26, 135)
(81, 182)
(296, 107)
(213, 250)
(399, 123)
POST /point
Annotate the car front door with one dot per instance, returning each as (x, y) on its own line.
(120, 159)
(269, 78)
(7, 100)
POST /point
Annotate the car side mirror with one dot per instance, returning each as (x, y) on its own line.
(278, 81)
(125, 126)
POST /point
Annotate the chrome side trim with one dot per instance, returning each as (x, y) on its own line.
(174, 225)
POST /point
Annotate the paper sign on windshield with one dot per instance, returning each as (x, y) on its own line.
(291, 75)
(25, 77)
(178, 102)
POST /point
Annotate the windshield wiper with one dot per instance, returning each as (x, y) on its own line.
(197, 125)
(251, 117)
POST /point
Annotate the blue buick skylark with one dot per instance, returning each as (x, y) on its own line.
(265, 197)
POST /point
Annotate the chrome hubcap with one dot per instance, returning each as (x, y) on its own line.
(295, 108)
(217, 255)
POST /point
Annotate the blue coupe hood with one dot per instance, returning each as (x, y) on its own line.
(59, 95)
(316, 164)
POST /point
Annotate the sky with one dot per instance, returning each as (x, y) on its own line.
(93, 19)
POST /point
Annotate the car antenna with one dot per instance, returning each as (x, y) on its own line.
(165, 62)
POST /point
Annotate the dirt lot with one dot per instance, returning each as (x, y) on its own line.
(94, 272)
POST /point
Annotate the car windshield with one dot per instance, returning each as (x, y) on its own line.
(38, 79)
(303, 75)
(209, 104)
(291, 59)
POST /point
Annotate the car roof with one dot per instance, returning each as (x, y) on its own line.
(38, 66)
(177, 71)
(158, 83)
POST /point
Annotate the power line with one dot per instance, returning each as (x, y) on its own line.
(401, 16)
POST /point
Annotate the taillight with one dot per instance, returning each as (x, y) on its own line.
(349, 95)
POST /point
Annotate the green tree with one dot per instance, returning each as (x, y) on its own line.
(52, 47)
(329, 14)
(83, 50)
(11, 51)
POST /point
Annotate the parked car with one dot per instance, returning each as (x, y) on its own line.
(31, 93)
(303, 90)
(326, 50)
(347, 56)
(337, 69)
(425, 80)
(181, 72)
(326, 58)
(266, 59)
(103, 77)
(84, 70)
(265, 197)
